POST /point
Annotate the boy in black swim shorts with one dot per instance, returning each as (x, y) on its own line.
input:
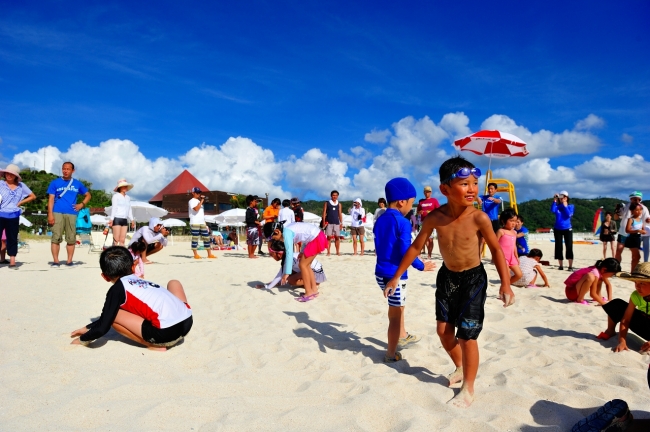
(461, 282)
(140, 310)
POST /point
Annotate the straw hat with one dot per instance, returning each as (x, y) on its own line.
(12, 169)
(641, 273)
(121, 183)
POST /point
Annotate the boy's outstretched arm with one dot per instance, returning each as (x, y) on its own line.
(411, 254)
(505, 292)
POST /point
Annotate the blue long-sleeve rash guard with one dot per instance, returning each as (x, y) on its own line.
(563, 215)
(392, 238)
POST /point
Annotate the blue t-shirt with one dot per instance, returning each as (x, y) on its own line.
(490, 207)
(522, 242)
(392, 238)
(64, 204)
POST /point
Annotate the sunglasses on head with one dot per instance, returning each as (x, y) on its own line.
(464, 173)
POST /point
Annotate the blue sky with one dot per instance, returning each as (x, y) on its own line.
(298, 85)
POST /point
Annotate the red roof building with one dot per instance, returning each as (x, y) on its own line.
(180, 185)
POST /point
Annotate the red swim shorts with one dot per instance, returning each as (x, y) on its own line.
(571, 293)
(316, 246)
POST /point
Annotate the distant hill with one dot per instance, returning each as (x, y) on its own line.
(536, 213)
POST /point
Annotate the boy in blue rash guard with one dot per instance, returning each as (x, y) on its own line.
(392, 235)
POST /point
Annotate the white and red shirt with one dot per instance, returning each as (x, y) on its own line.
(140, 297)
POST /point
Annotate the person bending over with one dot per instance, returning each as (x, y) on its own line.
(154, 235)
(590, 280)
(276, 251)
(137, 309)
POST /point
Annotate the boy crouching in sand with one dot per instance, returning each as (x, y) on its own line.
(462, 281)
(138, 309)
(392, 239)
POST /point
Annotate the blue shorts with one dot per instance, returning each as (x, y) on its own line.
(398, 298)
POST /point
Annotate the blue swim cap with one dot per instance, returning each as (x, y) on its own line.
(399, 188)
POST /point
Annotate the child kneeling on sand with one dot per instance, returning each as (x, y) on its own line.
(530, 269)
(634, 315)
(461, 284)
(138, 309)
(392, 239)
(590, 280)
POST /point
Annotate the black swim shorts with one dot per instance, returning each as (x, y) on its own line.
(120, 222)
(460, 300)
(157, 336)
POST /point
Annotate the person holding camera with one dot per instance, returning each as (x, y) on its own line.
(154, 236)
(356, 226)
(562, 230)
(198, 228)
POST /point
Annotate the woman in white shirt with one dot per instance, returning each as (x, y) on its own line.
(356, 226)
(121, 213)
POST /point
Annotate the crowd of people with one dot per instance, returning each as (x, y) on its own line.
(158, 318)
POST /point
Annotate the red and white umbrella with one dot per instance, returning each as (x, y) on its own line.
(492, 143)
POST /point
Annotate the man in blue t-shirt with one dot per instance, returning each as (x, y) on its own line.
(491, 204)
(62, 210)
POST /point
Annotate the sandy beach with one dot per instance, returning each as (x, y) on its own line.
(258, 360)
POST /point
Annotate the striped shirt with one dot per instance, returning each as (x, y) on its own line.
(10, 199)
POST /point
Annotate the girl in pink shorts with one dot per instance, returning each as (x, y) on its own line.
(590, 280)
(313, 241)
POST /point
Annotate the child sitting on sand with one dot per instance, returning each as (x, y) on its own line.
(392, 234)
(634, 315)
(530, 269)
(507, 238)
(462, 281)
(590, 280)
(136, 250)
(314, 242)
(276, 251)
(138, 309)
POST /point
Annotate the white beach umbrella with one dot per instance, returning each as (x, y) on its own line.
(143, 211)
(98, 219)
(310, 217)
(168, 223)
(24, 221)
(228, 217)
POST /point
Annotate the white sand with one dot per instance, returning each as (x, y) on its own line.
(258, 360)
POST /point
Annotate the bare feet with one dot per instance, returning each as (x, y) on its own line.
(456, 376)
(463, 399)
(154, 348)
(252, 257)
(148, 262)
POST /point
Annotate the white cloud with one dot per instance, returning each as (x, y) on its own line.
(592, 121)
(627, 139)
(377, 136)
(456, 124)
(544, 143)
(415, 149)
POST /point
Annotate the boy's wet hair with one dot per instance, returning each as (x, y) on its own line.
(535, 253)
(286, 203)
(506, 215)
(116, 262)
(610, 265)
(493, 184)
(634, 206)
(451, 167)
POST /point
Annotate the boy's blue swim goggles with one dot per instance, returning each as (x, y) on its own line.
(464, 173)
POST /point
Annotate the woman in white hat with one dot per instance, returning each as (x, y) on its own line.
(13, 194)
(121, 213)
